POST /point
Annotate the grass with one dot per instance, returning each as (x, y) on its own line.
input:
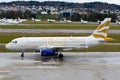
(56, 26)
(101, 48)
(7, 37)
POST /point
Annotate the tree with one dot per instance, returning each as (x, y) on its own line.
(93, 16)
(75, 17)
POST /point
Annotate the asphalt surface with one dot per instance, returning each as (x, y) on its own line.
(51, 31)
(74, 66)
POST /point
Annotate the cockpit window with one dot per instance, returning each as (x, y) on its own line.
(15, 42)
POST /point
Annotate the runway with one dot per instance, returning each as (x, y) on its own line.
(74, 66)
(51, 31)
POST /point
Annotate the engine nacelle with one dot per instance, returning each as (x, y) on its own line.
(48, 52)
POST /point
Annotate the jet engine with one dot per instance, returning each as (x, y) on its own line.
(48, 52)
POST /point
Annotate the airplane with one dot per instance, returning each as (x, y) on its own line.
(21, 20)
(36, 20)
(82, 21)
(117, 22)
(99, 21)
(65, 20)
(51, 20)
(11, 21)
(8, 21)
(53, 46)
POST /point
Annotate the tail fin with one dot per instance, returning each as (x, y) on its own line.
(102, 30)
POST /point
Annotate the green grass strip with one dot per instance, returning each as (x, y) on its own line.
(57, 26)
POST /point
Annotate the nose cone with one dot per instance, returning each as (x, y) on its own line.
(11, 46)
(7, 46)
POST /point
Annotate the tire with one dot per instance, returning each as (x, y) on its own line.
(61, 56)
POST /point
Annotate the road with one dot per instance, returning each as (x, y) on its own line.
(74, 66)
(51, 31)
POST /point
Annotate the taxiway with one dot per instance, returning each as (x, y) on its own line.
(74, 66)
(51, 31)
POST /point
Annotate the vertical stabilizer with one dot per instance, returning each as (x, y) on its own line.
(102, 29)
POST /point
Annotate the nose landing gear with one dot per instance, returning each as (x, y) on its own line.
(22, 55)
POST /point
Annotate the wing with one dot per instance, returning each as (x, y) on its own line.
(59, 48)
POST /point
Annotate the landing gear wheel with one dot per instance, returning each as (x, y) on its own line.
(61, 56)
(22, 55)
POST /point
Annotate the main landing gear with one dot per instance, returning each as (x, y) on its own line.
(60, 56)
